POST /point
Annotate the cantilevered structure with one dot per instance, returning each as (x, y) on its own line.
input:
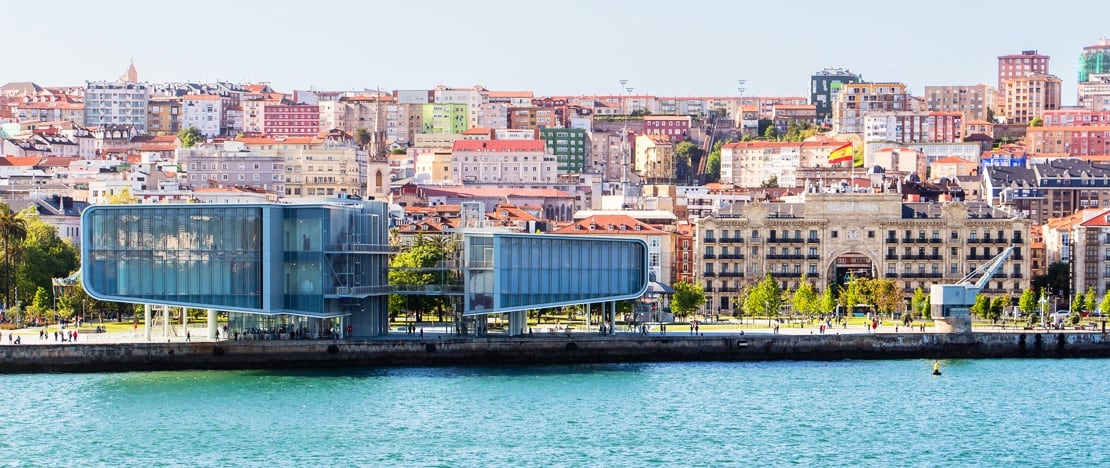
(320, 269)
(314, 269)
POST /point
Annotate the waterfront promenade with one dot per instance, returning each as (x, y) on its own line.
(129, 351)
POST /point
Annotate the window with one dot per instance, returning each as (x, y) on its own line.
(833, 234)
(870, 234)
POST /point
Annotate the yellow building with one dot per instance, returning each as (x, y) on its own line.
(164, 116)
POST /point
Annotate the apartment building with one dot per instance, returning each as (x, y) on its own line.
(502, 162)
(1020, 65)
(1029, 96)
(117, 103)
(297, 120)
(975, 102)
(858, 99)
(826, 237)
(825, 86)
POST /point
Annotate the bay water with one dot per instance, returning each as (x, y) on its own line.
(874, 413)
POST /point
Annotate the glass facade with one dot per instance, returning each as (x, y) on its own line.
(309, 269)
(189, 254)
(507, 272)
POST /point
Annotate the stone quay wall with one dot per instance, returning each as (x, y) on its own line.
(456, 351)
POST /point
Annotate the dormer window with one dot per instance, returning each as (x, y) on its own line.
(593, 227)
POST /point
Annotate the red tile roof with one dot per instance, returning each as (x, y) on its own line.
(28, 161)
(609, 224)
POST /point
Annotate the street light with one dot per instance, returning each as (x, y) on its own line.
(1044, 305)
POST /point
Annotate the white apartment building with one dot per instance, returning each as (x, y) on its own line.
(502, 162)
(118, 103)
(202, 111)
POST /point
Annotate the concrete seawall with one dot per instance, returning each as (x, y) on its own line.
(543, 350)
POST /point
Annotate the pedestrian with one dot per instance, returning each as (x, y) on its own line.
(188, 337)
(217, 334)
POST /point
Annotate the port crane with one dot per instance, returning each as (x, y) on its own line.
(950, 304)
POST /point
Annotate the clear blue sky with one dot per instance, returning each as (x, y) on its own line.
(567, 47)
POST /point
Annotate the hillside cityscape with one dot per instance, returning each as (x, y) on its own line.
(853, 176)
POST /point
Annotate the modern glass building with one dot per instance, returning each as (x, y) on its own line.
(313, 270)
(514, 273)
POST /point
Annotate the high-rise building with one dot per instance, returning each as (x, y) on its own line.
(1019, 65)
(825, 85)
(973, 101)
(1094, 59)
(118, 103)
(857, 99)
(1027, 97)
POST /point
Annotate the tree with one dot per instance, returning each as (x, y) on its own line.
(362, 136)
(828, 302)
(1104, 306)
(189, 136)
(982, 306)
(772, 182)
(885, 295)
(765, 298)
(854, 293)
(13, 231)
(771, 134)
(1077, 303)
(687, 298)
(805, 300)
(1036, 122)
(998, 305)
(1089, 299)
(40, 303)
(713, 167)
(123, 198)
(397, 151)
(918, 301)
(43, 255)
(1027, 303)
(686, 153)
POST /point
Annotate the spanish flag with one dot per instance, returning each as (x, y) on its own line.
(841, 154)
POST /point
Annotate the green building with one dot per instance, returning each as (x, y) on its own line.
(444, 118)
(569, 146)
(1094, 59)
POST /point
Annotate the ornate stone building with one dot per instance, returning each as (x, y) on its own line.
(827, 236)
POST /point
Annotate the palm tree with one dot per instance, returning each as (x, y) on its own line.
(13, 231)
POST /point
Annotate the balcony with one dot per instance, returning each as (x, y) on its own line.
(813, 239)
(973, 240)
(982, 257)
(709, 256)
(922, 257)
(709, 240)
(729, 289)
(732, 240)
(786, 274)
(731, 256)
(935, 240)
(709, 274)
(732, 274)
(1017, 275)
(891, 240)
(786, 240)
(785, 257)
(891, 256)
(907, 240)
(922, 274)
(813, 257)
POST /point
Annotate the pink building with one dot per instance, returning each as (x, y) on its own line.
(291, 120)
(1076, 117)
(675, 127)
(1019, 65)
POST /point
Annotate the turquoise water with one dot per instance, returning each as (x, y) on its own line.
(873, 413)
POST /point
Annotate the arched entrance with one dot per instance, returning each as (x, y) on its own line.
(852, 264)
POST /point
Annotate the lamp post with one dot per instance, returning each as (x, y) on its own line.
(1044, 305)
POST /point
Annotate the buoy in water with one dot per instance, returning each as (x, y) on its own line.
(936, 368)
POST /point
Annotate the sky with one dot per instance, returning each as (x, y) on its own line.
(570, 47)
